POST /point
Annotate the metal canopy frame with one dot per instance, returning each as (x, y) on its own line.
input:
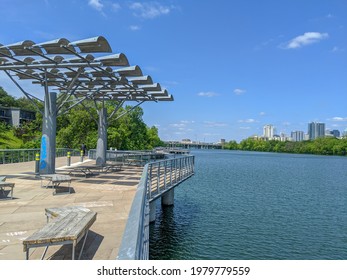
(77, 73)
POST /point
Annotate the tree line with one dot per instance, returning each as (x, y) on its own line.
(77, 126)
(320, 146)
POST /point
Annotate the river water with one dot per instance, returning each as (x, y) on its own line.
(249, 205)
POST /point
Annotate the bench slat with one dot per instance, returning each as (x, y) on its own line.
(67, 227)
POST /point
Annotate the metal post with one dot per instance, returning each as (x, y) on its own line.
(81, 159)
(37, 164)
(68, 158)
(102, 137)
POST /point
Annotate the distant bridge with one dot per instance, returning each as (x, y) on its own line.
(193, 145)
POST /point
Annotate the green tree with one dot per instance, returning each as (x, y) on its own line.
(231, 145)
(7, 100)
(153, 138)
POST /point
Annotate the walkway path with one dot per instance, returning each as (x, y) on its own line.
(109, 194)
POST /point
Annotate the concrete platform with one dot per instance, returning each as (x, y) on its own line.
(109, 194)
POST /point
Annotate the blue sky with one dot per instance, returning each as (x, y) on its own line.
(231, 65)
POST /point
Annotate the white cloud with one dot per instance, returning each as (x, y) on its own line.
(214, 124)
(239, 91)
(245, 127)
(149, 10)
(182, 125)
(339, 119)
(262, 113)
(134, 27)
(337, 49)
(207, 94)
(305, 39)
(248, 121)
(96, 4)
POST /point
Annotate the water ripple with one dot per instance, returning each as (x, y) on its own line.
(242, 205)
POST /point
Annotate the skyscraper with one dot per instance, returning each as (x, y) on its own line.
(268, 131)
(316, 130)
(297, 136)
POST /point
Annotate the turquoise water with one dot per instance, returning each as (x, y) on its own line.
(248, 205)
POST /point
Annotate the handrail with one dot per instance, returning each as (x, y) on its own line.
(157, 178)
(126, 156)
(24, 155)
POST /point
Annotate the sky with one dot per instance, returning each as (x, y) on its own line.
(232, 66)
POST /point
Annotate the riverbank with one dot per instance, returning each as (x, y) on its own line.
(321, 146)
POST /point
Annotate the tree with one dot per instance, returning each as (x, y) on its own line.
(7, 100)
(153, 138)
(231, 145)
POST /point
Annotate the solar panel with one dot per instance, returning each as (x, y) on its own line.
(63, 65)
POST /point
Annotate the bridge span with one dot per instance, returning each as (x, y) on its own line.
(193, 145)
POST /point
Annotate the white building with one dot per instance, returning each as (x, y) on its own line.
(297, 136)
(268, 131)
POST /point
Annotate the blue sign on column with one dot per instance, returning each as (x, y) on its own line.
(43, 160)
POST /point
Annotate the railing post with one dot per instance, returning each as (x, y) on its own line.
(68, 158)
(37, 164)
(158, 177)
(170, 172)
(149, 179)
(164, 175)
(81, 160)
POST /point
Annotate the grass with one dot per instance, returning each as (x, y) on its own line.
(9, 141)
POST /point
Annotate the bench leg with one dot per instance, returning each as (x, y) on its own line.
(44, 252)
(84, 242)
(73, 249)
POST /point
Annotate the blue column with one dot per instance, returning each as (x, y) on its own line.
(48, 139)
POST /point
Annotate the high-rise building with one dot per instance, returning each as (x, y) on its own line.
(316, 130)
(268, 131)
(297, 136)
(335, 133)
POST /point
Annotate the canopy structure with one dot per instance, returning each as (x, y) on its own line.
(78, 72)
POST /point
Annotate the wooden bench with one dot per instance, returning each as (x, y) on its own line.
(85, 169)
(112, 167)
(54, 181)
(66, 225)
(6, 185)
(95, 169)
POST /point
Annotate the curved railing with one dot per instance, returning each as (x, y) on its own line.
(157, 178)
(125, 157)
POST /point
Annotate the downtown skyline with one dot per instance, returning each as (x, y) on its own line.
(232, 67)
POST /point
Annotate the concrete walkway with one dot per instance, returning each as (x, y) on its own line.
(109, 194)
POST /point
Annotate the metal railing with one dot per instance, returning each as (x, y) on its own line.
(24, 155)
(157, 178)
(129, 157)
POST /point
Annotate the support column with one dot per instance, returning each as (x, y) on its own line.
(152, 211)
(48, 139)
(102, 137)
(167, 199)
